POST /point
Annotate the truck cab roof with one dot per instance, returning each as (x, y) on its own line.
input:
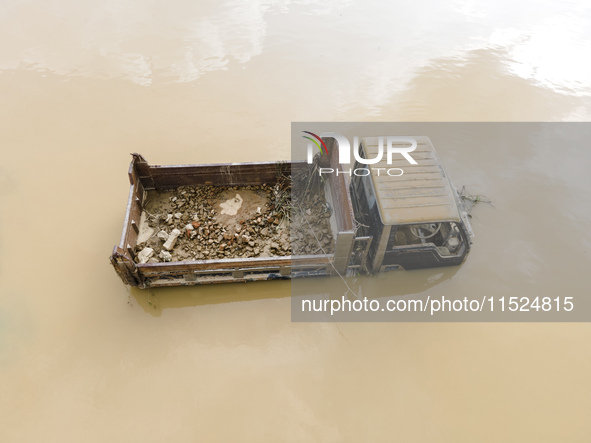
(421, 194)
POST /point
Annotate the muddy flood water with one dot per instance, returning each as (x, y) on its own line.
(84, 84)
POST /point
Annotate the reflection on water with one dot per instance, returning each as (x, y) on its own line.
(85, 83)
(155, 300)
(180, 41)
(376, 286)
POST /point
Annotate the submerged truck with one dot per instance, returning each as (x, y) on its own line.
(414, 220)
(362, 223)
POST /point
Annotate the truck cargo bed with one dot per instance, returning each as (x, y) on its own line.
(219, 243)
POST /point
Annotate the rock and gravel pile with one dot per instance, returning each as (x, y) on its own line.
(311, 233)
(213, 222)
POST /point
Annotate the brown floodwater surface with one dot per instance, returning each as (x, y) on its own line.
(83, 358)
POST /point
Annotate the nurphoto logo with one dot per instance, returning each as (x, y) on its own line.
(394, 145)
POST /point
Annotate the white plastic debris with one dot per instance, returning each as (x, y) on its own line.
(189, 227)
(171, 239)
(145, 254)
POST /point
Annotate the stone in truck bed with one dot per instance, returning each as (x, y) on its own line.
(216, 222)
